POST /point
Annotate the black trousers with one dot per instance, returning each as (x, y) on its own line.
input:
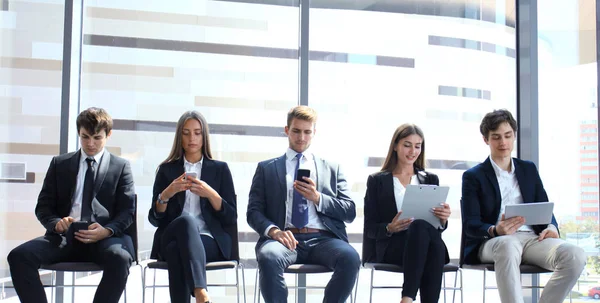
(422, 253)
(114, 254)
(186, 253)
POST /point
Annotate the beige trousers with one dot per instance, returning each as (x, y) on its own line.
(508, 252)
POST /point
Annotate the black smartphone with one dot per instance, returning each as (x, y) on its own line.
(79, 225)
(302, 173)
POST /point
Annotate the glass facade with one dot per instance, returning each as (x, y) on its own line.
(372, 65)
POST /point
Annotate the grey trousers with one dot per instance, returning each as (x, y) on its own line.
(508, 252)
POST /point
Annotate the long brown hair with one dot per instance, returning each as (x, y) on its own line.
(402, 132)
(177, 149)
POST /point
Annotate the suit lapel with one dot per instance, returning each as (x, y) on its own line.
(208, 174)
(73, 171)
(491, 175)
(280, 173)
(388, 185)
(178, 170)
(320, 167)
(102, 169)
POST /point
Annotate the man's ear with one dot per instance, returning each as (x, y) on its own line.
(286, 129)
(109, 133)
(485, 140)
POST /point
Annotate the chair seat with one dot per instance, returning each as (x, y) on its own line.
(307, 269)
(73, 266)
(395, 268)
(524, 268)
(209, 266)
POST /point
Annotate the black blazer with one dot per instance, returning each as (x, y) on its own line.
(481, 202)
(214, 173)
(380, 208)
(113, 205)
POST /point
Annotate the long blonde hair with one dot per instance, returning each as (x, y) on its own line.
(177, 149)
(402, 132)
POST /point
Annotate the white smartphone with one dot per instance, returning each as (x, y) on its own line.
(191, 174)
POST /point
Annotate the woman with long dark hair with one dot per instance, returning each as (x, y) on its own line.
(193, 202)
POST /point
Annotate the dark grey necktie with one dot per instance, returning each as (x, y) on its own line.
(88, 190)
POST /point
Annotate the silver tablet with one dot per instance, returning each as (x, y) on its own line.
(534, 213)
(420, 199)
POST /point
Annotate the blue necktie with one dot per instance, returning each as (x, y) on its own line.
(299, 205)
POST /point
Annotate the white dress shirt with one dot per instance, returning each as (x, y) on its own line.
(400, 190)
(510, 191)
(306, 162)
(192, 201)
(78, 195)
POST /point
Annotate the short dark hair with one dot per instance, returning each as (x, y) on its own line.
(302, 112)
(492, 121)
(94, 120)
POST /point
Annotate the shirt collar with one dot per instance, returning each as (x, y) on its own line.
(188, 163)
(499, 170)
(97, 157)
(290, 154)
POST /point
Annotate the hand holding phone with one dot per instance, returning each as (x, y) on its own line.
(300, 173)
(80, 225)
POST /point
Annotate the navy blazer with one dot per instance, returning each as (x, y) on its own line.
(113, 204)
(267, 200)
(481, 202)
(380, 209)
(214, 173)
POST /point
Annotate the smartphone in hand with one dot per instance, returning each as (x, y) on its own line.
(302, 173)
(80, 225)
(191, 174)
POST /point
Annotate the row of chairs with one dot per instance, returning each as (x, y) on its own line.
(368, 249)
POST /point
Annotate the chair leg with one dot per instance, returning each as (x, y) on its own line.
(256, 288)
(237, 283)
(144, 284)
(354, 299)
(73, 288)
(484, 274)
(125, 293)
(52, 286)
(154, 287)
(297, 290)
(454, 290)
(243, 282)
(371, 286)
(444, 281)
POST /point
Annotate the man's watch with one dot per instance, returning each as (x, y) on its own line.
(161, 201)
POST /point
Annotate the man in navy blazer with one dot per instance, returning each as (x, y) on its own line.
(302, 221)
(109, 207)
(507, 242)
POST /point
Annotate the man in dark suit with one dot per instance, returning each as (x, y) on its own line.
(491, 238)
(302, 221)
(87, 185)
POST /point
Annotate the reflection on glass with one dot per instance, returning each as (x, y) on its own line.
(568, 123)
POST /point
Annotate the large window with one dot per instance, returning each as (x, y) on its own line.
(439, 64)
(31, 38)
(568, 123)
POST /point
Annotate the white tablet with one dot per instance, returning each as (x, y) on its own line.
(534, 213)
(420, 199)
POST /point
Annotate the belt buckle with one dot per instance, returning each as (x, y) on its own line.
(303, 230)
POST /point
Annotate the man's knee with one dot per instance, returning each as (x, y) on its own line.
(271, 256)
(348, 259)
(118, 257)
(508, 248)
(571, 257)
(19, 255)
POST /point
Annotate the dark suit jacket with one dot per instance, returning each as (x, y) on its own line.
(113, 205)
(481, 202)
(214, 173)
(380, 209)
(266, 204)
